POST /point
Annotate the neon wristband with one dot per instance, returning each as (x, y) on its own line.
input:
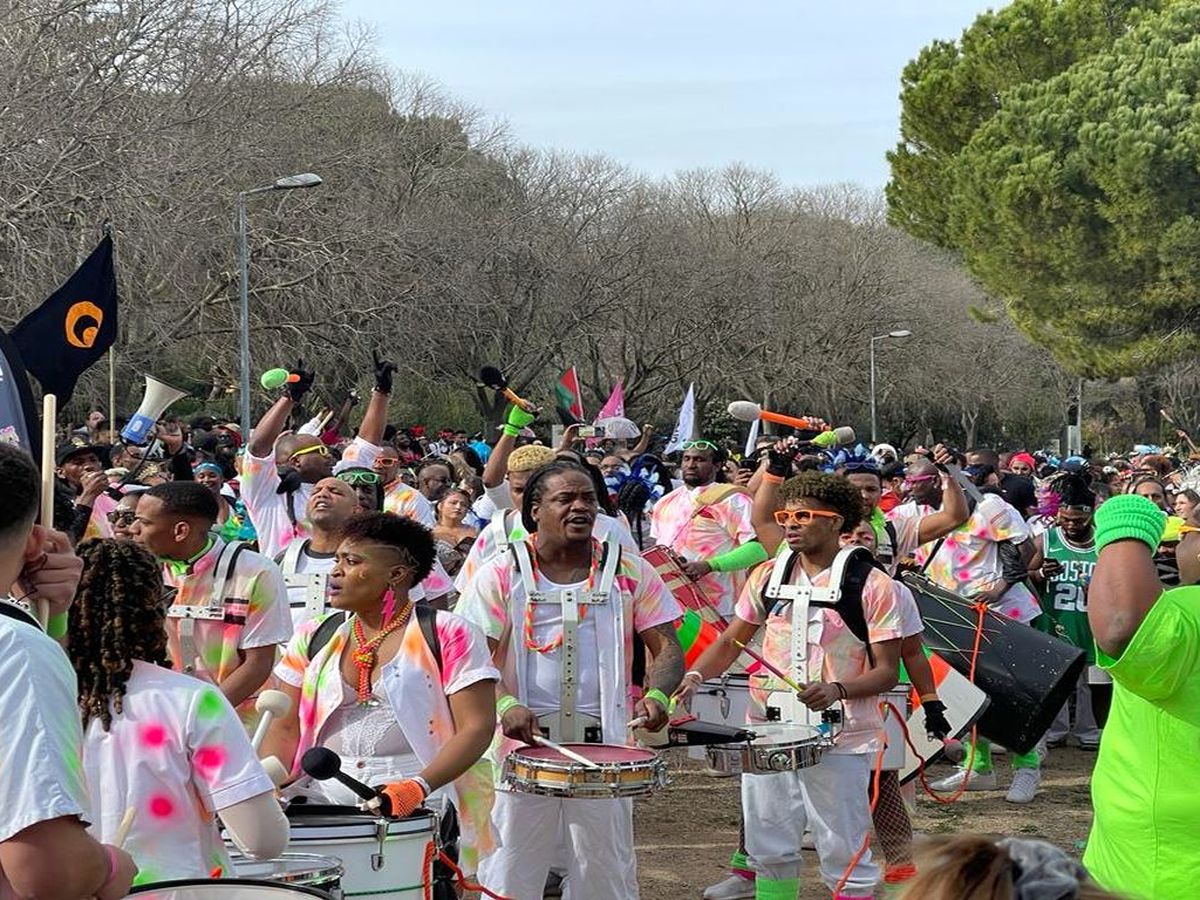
(744, 557)
(658, 697)
(511, 430)
(57, 626)
(505, 703)
(771, 478)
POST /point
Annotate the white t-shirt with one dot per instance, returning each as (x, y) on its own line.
(544, 676)
(910, 616)
(177, 754)
(41, 773)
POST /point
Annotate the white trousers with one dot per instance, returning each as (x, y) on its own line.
(830, 800)
(597, 835)
(1085, 727)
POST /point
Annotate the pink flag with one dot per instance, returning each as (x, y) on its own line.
(615, 404)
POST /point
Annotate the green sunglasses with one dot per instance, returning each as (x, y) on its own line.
(699, 445)
(353, 478)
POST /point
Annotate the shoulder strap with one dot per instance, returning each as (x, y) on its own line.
(858, 568)
(290, 558)
(715, 493)
(226, 564)
(324, 633)
(427, 620)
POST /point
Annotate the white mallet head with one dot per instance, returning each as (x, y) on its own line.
(275, 771)
(745, 410)
(277, 703)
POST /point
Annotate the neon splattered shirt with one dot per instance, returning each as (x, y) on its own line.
(968, 560)
(837, 655)
(255, 591)
(98, 525)
(402, 500)
(178, 754)
(422, 712)
(41, 769)
(702, 534)
(1144, 789)
(274, 520)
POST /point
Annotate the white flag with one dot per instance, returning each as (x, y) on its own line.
(753, 438)
(686, 423)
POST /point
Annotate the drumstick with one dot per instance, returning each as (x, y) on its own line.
(565, 751)
(758, 657)
(123, 828)
(636, 723)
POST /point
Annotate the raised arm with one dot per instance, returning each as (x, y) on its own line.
(954, 509)
(497, 463)
(271, 425)
(375, 418)
(1125, 585)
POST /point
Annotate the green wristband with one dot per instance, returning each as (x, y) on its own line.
(511, 430)
(1129, 517)
(658, 697)
(505, 703)
(57, 626)
(746, 556)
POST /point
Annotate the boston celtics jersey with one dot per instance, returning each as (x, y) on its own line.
(1064, 597)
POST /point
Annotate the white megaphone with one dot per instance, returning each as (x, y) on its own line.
(159, 395)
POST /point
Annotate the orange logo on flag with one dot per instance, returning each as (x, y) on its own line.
(82, 312)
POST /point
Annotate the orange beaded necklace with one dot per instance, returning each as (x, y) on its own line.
(556, 642)
(366, 652)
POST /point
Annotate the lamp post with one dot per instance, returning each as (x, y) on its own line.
(902, 333)
(287, 183)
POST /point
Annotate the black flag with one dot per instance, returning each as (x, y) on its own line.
(61, 339)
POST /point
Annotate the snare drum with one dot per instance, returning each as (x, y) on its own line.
(775, 748)
(623, 772)
(383, 858)
(224, 889)
(308, 869)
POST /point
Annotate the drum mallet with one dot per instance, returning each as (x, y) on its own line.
(123, 829)
(275, 771)
(271, 704)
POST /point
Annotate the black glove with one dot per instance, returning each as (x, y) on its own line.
(779, 462)
(297, 389)
(289, 480)
(383, 373)
(936, 726)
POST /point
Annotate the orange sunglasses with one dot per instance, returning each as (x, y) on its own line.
(787, 517)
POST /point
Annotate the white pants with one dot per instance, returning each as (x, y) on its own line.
(597, 834)
(830, 800)
(1085, 729)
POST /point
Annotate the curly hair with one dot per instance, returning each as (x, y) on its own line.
(118, 618)
(411, 539)
(833, 491)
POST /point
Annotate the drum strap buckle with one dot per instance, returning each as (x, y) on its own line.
(378, 858)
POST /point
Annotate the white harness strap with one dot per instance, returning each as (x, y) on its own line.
(214, 610)
(313, 584)
(570, 728)
(807, 625)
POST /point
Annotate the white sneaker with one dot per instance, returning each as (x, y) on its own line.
(978, 781)
(735, 887)
(1024, 785)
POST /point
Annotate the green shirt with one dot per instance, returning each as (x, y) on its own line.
(1064, 597)
(1145, 840)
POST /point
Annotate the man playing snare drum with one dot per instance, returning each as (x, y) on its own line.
(560, 611)
(849, 657)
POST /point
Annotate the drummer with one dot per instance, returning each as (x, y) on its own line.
(621, 595)
(362, 679)
(830, 798)
(162, 744)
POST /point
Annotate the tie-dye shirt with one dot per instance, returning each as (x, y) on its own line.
(269, 510)
(700, 534)
(402, 500)
(968, 560)
(41, 768)
(256, 612)
(177, 754)
(835, 655)
(422, 713)
(98, 525)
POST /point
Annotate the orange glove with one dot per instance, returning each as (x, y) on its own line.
(403, 797)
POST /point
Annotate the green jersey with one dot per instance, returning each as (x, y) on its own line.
(1064, 597)
(1144, 788)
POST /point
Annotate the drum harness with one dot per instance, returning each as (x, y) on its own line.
(220, 606)
(568, 726)
(313, 584)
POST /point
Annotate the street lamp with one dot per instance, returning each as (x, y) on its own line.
(901, 333)
(287, 183)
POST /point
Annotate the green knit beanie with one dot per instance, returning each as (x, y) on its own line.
(1129, 516)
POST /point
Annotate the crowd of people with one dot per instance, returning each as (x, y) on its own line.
(430, 606)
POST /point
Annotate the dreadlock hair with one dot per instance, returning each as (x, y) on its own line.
(411, 539)
(118, 618)
(536, 486)
(832, 490)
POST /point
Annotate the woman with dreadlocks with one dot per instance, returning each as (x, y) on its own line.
(164, 745)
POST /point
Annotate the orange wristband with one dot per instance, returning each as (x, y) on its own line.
(773, 479)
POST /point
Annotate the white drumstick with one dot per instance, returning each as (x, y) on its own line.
(565, 751)
(637, 723)
(123, 829)
(270, 704)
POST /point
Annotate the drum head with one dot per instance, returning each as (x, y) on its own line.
(597, 753)
(780, 733)
(291, 868)
(326, 815)
(224, 889)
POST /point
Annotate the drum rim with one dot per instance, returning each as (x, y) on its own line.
(222, 882)
(647, 757)
(570, 767)
(427, 820)
(330, 865)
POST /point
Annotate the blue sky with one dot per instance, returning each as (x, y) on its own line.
(805, 88)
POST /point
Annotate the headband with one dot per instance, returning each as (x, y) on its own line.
(210, 466)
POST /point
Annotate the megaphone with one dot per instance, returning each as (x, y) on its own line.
(159, 395)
